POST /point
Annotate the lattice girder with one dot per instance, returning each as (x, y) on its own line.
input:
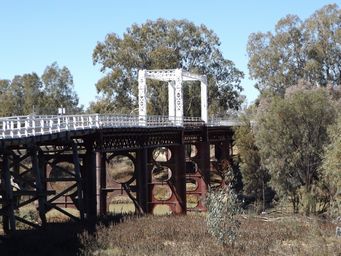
(174, 77)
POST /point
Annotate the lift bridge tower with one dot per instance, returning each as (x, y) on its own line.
(174, 77)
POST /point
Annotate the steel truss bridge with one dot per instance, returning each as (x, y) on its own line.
(56, 162)
(83, 161)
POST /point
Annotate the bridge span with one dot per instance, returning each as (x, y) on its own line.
(53, 162)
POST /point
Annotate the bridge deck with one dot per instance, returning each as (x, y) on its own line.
(38, 151)
(35, 127)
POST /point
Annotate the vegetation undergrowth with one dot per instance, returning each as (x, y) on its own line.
(188, 235)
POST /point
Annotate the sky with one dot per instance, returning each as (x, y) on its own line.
(36, 33)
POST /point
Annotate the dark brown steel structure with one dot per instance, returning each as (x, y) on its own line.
(71, 168)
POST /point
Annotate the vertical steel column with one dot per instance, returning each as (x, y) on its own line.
(43, 175)
(80, 198)
(99, 168)
(89, 171)
(101, 194)
(103, 206)
(142, 99)
(142, 179)
(205, 156)
(179, 112)
(8, 218)
(171, 100)
(203, 89)
(180, 177)
(39, 185)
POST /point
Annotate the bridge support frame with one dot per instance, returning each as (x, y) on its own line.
(174, 77)
(29, 163)
(41, 192)
(142, 179)
(8, 219)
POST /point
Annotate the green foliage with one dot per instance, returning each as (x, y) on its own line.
(28, 94)
(290, 134)
(331, 169)
(255, 176)
(222, 208)
(58, 90)
(186, 235)
(164, 44)
(21, 96)
(297, 50)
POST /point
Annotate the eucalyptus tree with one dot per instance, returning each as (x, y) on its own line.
(255, 176)
(331, 169)
(164, 44)
(6, 98)
(21, 95)
(33, 94)
(59, 90)
(291, 133)
(30, 94)
(309, 50)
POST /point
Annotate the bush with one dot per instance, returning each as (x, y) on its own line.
(222, 208)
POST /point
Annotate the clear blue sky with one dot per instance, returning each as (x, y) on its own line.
(35, 33)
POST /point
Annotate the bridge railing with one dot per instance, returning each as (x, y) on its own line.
(33, 125)
(223, 122)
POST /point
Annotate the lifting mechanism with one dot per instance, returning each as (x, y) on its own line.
(174, 77)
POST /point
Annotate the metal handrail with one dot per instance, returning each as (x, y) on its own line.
(33, 125)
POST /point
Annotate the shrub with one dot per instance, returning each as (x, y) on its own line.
(222, 208)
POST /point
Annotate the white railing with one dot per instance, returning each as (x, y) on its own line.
(223, 122)
(33, 125)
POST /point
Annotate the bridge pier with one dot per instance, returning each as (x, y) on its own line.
(63, 169)
(142, 180)
(8, 218)
(167, 184)
(198, 175)
(101, 183)
(80, 191)
(89, 179)
(41, 193)
(180, 179)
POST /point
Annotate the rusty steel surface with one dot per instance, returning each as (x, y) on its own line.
(71, 169)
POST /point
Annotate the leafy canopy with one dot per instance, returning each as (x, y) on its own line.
(309, 50)
(255, 176)
(164, 44)
(331, 168)
(28, 93)
(291, 133)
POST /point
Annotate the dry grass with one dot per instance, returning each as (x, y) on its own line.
(121, 208)
(179, 235)
(187, 235)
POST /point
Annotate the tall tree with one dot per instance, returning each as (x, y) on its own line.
(17, 95)
(6, 98)
(331, 169)
(164, 44)
(290, 134)
(21, 96)
(59, 90)
(33, 94)
(323, 50)
(27, 94)
(255, 175)
(308, 50)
